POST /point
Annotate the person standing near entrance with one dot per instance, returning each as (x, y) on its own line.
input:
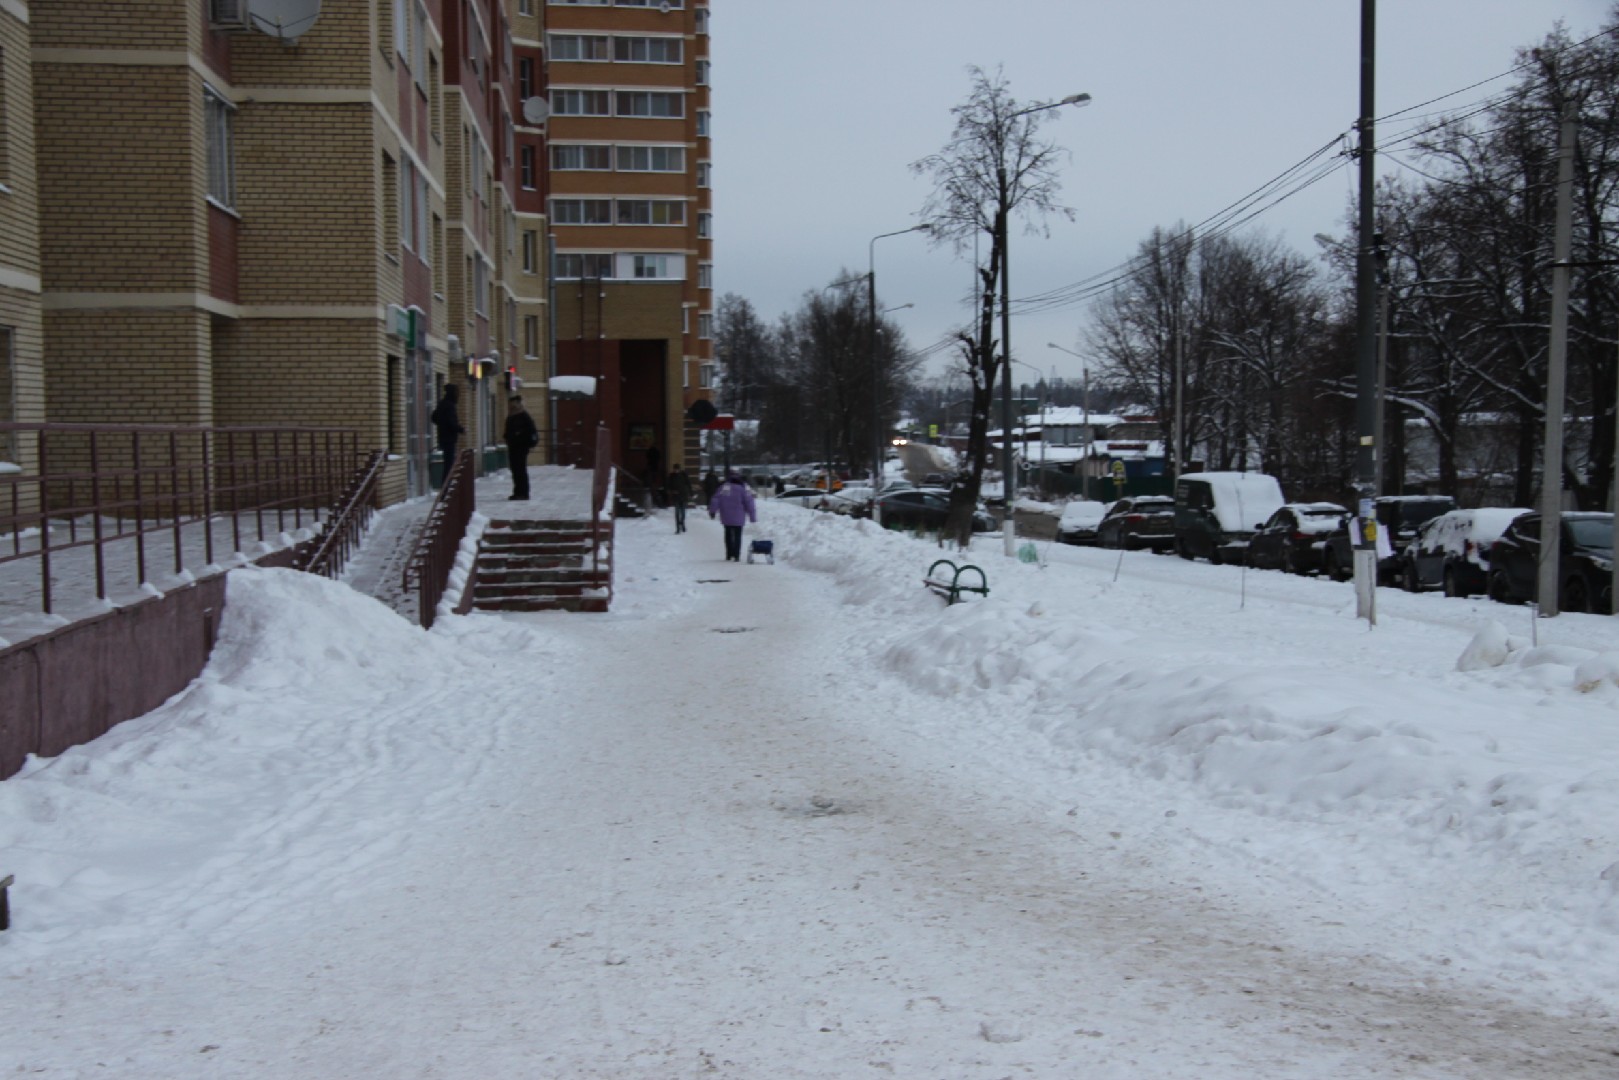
(521, 436)
(677, 489)
(447, 423)
(733, 505)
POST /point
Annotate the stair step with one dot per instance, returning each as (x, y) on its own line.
(545, 603)
(541, 578)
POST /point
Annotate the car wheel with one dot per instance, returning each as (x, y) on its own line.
(1215, 558)
(1499, 590)
(1331, 567)
(1408, 577)
(1129, 543)
(1181, 549)
(1576, 598)
(1453, 583)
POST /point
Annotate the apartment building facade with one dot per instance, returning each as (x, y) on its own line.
(307, 213)
(629, 200)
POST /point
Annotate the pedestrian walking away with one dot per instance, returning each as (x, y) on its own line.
(733, 504)
(677, 489)
(447, 422)
(711, 484)
(521, 436)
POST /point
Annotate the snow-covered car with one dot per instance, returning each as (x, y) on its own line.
(853, 500)
(1399, 517)
(1216, 512)
(1293, 538)
(1452, 551)
(803, 496)
(927, 509)
(1079, 521)
(1138, 521)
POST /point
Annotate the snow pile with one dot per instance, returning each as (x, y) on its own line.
(313, 692)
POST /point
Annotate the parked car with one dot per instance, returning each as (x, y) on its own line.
(803, 496)
(853, 500)
(1079, 521)
(1293, 538)
(1138, 521)
(1216, 512)
(1584, 566)
(1398, 518)
(926, 508)
(1452, 552)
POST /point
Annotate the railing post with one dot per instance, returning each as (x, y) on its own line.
(44, 522)
(140, 516)
(174, 500)
(207, 498)
(95, 517)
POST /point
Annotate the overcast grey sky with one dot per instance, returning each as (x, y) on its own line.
(819, 109)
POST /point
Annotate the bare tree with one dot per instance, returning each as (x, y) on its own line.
(994, 167)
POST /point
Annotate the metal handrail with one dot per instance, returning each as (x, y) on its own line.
(601, 499)
(342, 534)
(105, 486)
(430, 562)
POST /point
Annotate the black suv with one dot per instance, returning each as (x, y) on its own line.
(1138, 521)
(1400, 516)
(1584, 566)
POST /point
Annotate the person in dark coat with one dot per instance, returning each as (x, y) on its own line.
(711, 484)
(521, 436)
(733, 505)
(677, 489)
(447, 422)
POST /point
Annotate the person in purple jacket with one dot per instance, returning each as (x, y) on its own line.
(733, 505)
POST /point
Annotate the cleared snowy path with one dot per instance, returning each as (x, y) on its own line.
(701, 836)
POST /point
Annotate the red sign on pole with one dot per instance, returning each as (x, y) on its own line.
(722, 422)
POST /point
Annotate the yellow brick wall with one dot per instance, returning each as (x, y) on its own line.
(118, 24)
(335, 52)
(115, 366)
(307, 188)
(120, 168)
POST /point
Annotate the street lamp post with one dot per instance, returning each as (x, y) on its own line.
(1003, 211)
(876, 376)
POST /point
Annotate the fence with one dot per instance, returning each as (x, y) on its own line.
(428, 569)
(343, 532)
(85, 502)
(601, 498)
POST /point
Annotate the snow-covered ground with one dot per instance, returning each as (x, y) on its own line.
(1127, 817)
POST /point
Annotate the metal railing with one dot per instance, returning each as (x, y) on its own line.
(342, 535)
(428, 569)
(92, 501)
(601, 499)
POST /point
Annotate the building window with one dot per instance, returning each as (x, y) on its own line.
(705, 275)
(511, 324)
(435, 94)
(418, 47)
(509, 133)
(531, 337)
(579, 47)
(438, 245)
(221, 153)
(525, 7)
(525, 77)
(702, 72)
(702, 123)
(704, 174)
(526, 167)
(591, 264)
(705, 376)
(5, 138)
(407, 204)
(579, 158)
(577, 3)
(651, 159)
(647, 50)
(645, 267)
(390, 200)
(651, 103)
(671, 4)
(701, 15)
(582, 211)
(401, 30)
(651, 212)
(705, 225)
(705, 326)
(531, 251)
(480, 287)
(581, 103)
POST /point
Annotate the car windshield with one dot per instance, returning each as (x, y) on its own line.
(1592, 532)
(1413, 511)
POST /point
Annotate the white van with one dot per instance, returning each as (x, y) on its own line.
(1216, 512)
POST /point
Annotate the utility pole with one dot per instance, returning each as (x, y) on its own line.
(1551, 458)
(1365, 553)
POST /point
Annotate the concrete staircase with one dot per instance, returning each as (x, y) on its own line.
(542, 566)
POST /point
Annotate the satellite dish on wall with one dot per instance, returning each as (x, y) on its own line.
(285, 20)
(536, 110)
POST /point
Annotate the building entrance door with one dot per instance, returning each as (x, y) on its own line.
(418, 430)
